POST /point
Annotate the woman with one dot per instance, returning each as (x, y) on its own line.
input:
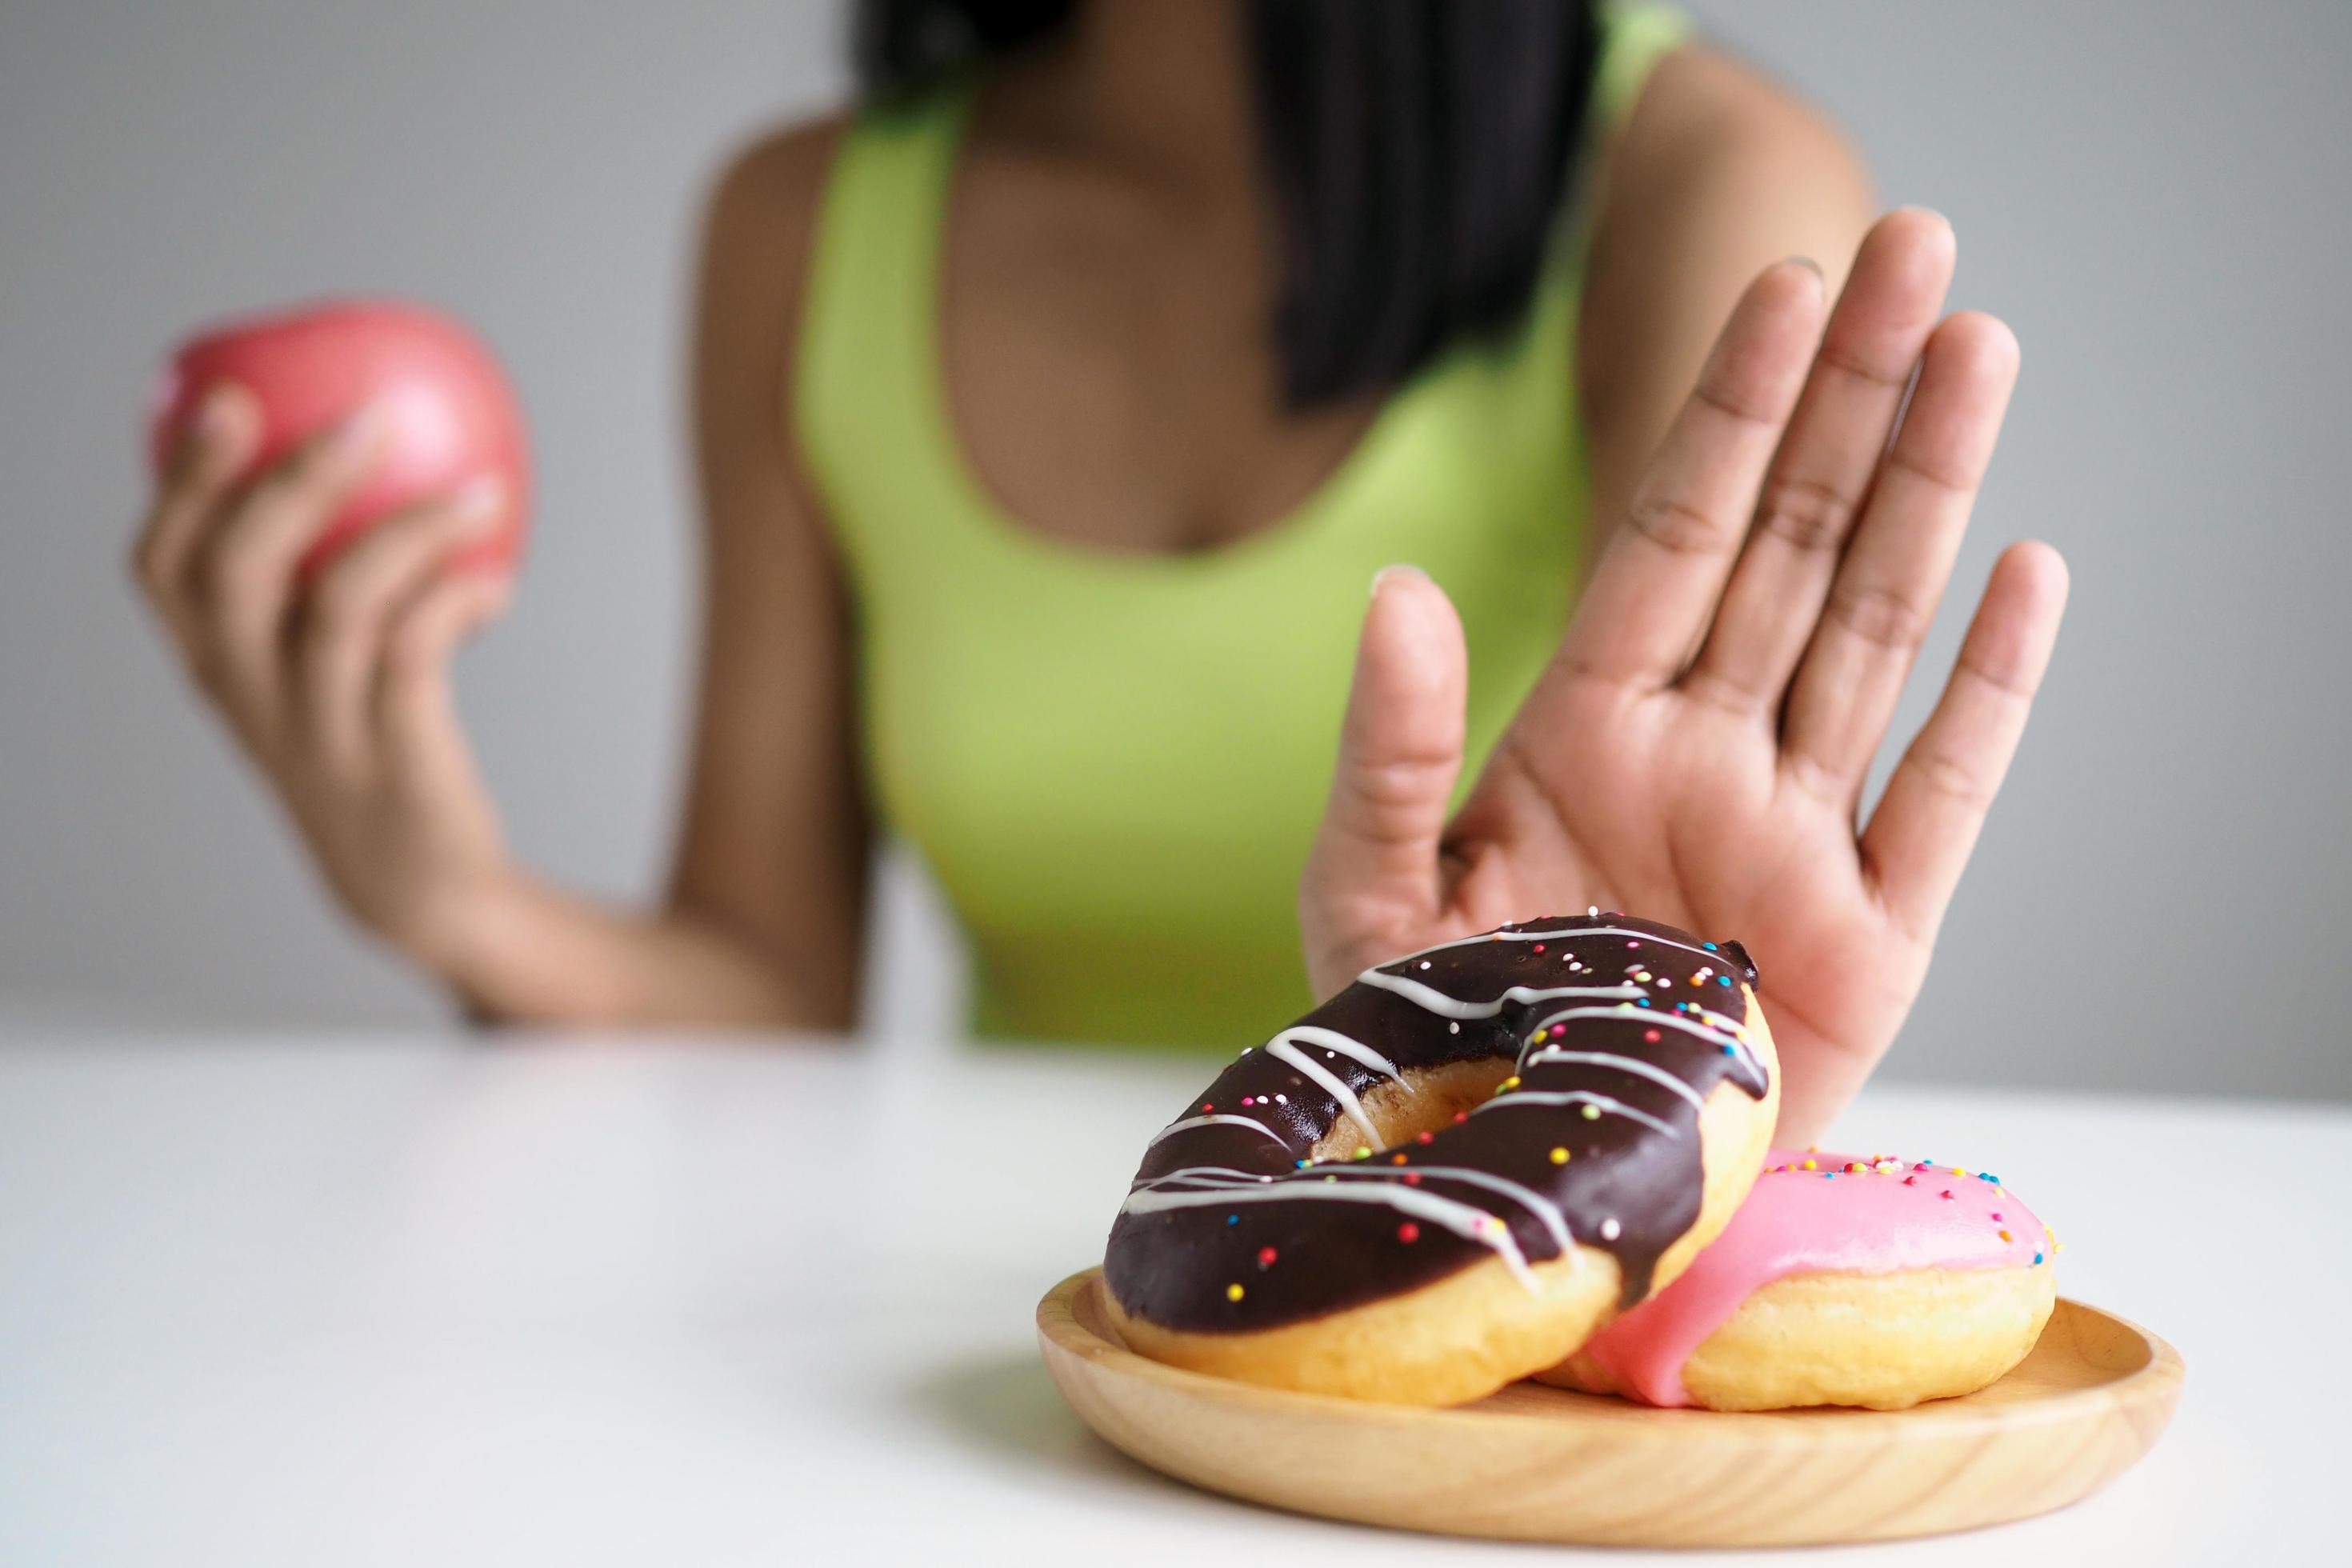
(1053, 412)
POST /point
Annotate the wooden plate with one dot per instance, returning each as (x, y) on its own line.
(1543, 1464)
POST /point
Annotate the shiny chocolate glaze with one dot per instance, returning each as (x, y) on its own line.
(1617, 1030)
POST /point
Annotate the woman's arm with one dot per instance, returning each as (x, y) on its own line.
(766, 910)
(1697, 748)
(777, 840)
(339, 688)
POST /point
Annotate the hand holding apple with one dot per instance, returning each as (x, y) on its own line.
(341, 501)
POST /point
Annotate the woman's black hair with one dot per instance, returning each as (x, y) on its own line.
(1421, 152)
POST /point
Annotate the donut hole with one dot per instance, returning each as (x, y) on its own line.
(1426, 1101)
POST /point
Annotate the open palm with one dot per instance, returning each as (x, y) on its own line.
(1697, 751)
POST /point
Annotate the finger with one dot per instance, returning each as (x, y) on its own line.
(203, 467)
(1400, 755)
(1920, 837)
(1820, 478)
(1885, 594)
(343, 616)
(245, 571)
(415, 710)
(1657, 581)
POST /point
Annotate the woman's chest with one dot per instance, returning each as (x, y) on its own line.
(1109, 369)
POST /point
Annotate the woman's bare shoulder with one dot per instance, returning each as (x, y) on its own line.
(1708, 115)
(1718, 173)
(760, 215)
(765, 193)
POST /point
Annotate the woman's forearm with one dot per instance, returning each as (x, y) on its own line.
(529, 954)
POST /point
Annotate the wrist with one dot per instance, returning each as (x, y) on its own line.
(458, 936)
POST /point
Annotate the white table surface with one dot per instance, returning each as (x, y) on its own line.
(415, 1300)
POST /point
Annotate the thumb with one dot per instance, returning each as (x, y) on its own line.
(1373, 870)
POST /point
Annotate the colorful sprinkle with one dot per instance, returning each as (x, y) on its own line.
(1559, 1156)
(1610, 1229)
(1424, 1137)
(2005, 1237)
(1232, 1219)
(1651, 1036)
(1265, 1257)
(1408, 1231)
(1361, 1153)
(1590, 1112)
(1233, 1292)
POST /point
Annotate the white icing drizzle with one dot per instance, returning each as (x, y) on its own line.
(1280, 1047)
(1554, 1219)
(1728, 1025)
(1464, 1220)
(1728, 1034)
(1199, 1173)
(1220, 1118)
(1430, 999)
(1563, 934)
(1574, 1097)
(1332, 1039)
(1624, 1064)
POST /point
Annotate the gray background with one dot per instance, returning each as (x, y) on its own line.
(2146, 192)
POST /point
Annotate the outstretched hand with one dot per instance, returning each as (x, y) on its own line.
(1696, 753)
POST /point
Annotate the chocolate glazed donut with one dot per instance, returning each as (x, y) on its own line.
(1448, 1175)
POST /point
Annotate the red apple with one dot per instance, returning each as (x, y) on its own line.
(451, 417)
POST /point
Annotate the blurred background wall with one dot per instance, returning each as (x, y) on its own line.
(2151, 192)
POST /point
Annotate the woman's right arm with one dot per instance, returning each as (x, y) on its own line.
(339, 689)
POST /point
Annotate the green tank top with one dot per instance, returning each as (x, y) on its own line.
(1114, 763)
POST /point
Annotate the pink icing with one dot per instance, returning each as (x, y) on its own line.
(1889, 1215)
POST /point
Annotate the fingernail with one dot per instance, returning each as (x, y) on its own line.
(1385, 572)
(478, 499)
(360, 430)
(1805, 261)
(217, 415)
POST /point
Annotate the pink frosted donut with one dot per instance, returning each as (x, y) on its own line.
(1843, 1279)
